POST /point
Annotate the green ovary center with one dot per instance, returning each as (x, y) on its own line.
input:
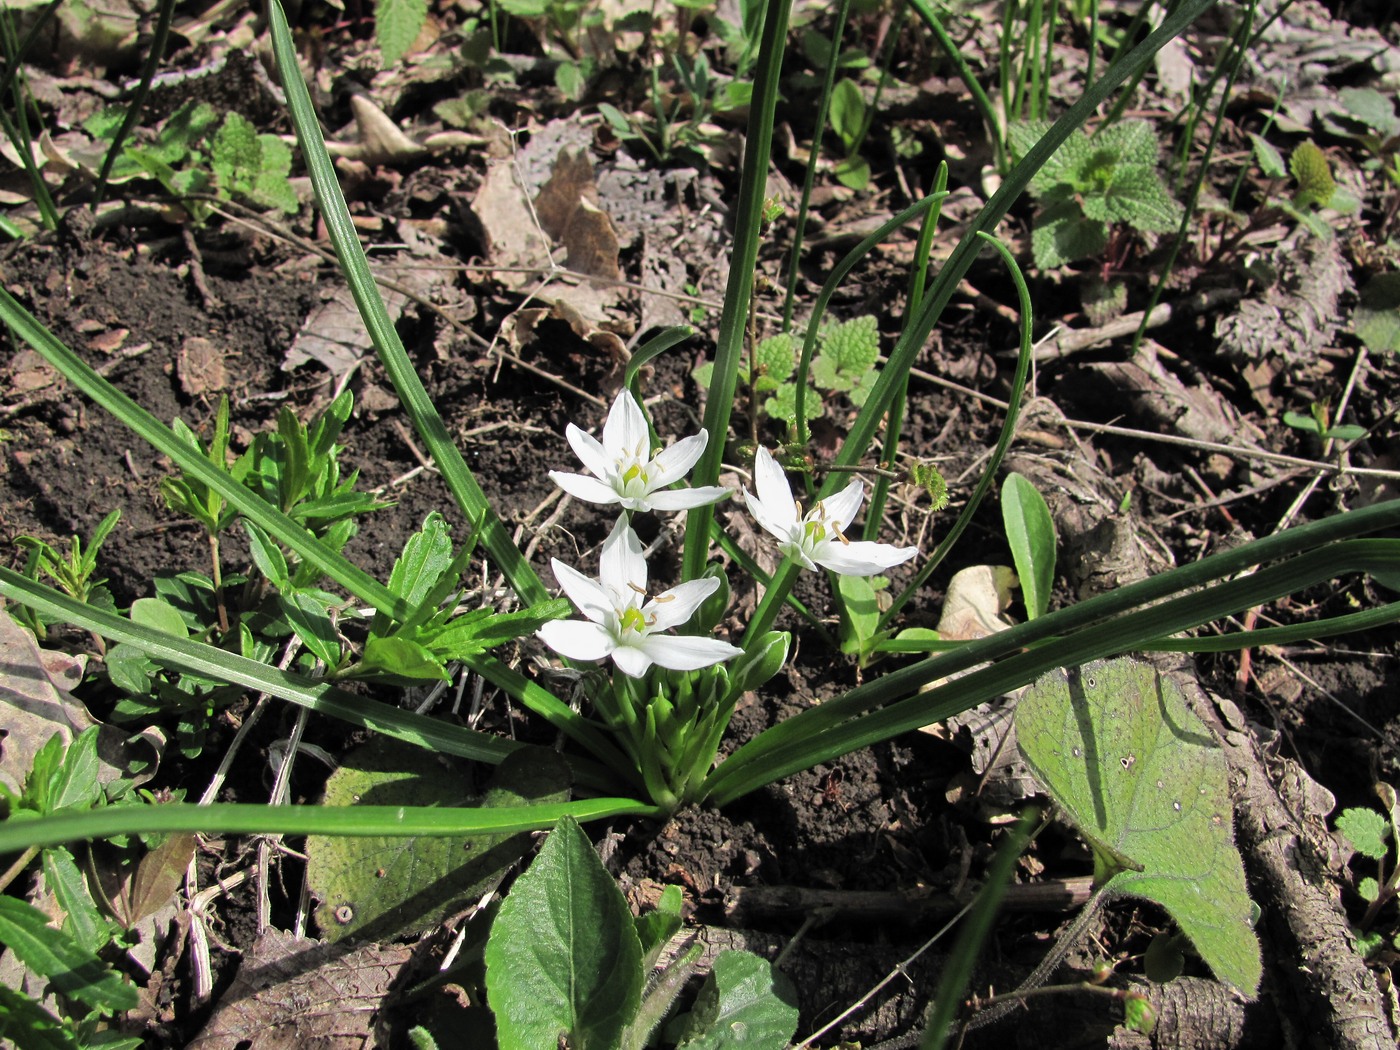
(633, 620)
(634, 479)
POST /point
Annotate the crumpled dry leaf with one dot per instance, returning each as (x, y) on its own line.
(567, 207)
(292, 993)
(35, 703)
(379, 141)
(977, 598)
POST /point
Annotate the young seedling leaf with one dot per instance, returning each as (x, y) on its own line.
(377, 888)
(563, 964)
(1145, 783)
(1366, 830)
(1309, 166)
(1031, 533)
(745, 1002)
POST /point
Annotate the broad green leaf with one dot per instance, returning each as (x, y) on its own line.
(858, 600)
(563, 961)
(1138, 197)
(1366, 830)
(152, 612)
(1146, 784)
(744, 1002)
(57, 957)
(397, 24)
(1030, 531)
(377, 888)
(853, 172)
(847, 111)
(76, 783)
(1377, 317)
(783, 404)
(1373, 108)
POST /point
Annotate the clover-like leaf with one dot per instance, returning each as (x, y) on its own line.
(1145, 782)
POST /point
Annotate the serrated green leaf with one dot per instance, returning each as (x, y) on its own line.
(783, 404)
(744, 1002)
(57, 957)
(469, 635)
(563, 959)
(853, 345)
(1131, 142)
(83, 921)
(426, 556)
(1138, 197)
(1030, 531)
(1366, 830)
(863, 388)
(378, 888)
(1144, 781)
(1376, 320)
(774, 357)
(397, 24)
(1314, 175)
(235, 154)
(273, 186)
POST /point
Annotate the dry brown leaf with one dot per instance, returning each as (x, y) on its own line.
(35, 703)
(512, 238)
(380, 140)
(292, 993)
(567, 207)
(201, 367)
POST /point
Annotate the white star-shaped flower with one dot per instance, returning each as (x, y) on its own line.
(625, 469)
(817, 538)
(621, 624)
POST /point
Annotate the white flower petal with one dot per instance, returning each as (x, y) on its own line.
(680, 653)
(797, 554)
(625, 432)
(580, 486)
(590, 452)
(860, 557)
(842, 507)
(676, 606)
(577, 639)
(632, 660)
(623, 567)
(591, 598)
(684, 499)
(777, 527)
(673, 463)
(774, 494)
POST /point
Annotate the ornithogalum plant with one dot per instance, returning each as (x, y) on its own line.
(667, 699)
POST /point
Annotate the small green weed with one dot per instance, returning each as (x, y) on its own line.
(1093, 185)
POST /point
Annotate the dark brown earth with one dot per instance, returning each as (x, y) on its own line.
(862, 857)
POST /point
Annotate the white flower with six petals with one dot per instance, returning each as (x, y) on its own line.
(624, 626)
(625, 469)
(817, 538)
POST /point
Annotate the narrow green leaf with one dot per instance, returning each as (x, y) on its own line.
(312, 623)
(84, 922)
(563, 960)
(57, 957)
(1030, 530)
(744, 1002)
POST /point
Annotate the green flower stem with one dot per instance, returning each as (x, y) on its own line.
(743, 258)
(19, 833)
(495, 538)
(773, 597)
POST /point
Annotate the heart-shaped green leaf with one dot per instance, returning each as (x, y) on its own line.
(1143, 780)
